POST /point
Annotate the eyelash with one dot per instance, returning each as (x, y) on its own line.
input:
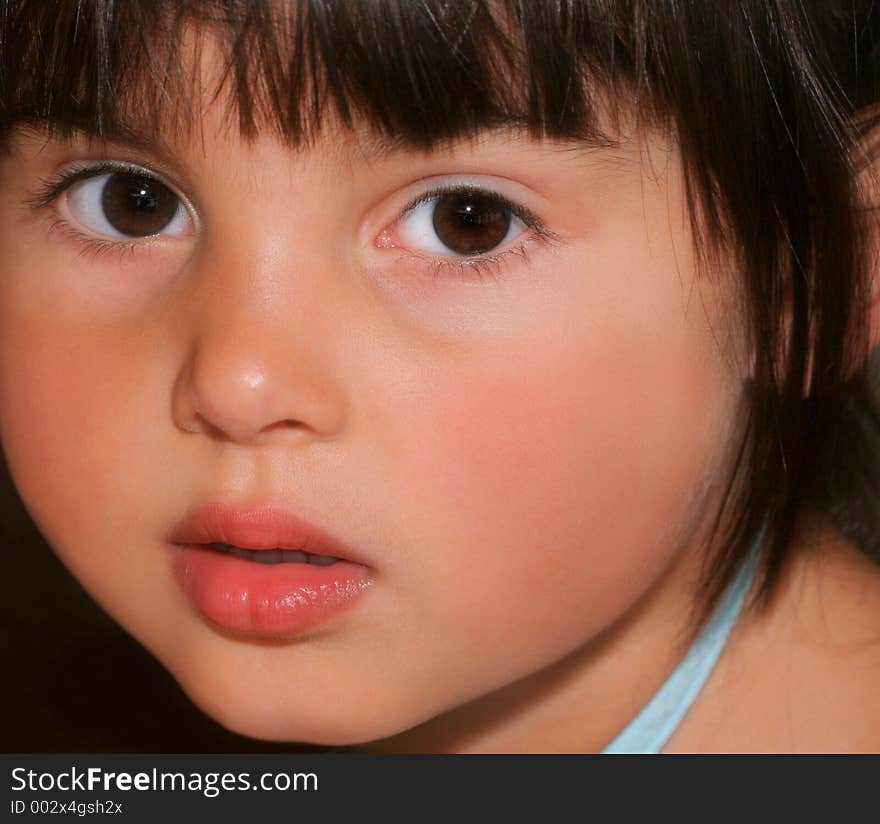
(477, 268)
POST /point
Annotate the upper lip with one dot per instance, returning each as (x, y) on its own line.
(263, 527)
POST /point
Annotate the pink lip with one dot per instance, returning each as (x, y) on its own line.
(264, 600)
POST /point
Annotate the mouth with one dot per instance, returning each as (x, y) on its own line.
(267, 593)
(263, 571)
(275, 556)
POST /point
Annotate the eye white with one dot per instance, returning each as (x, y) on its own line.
(416, 230)
(84, 202)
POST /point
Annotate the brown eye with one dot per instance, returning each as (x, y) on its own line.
(471, 223)
(137, 206)
(127, 204)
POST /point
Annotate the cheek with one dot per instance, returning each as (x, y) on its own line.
(69, 392)
(55, 379)
(558, 477)
(51, 404)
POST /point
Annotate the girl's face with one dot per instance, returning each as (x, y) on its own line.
(513, 403)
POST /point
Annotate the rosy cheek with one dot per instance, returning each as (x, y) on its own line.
(58, 388)
(532, 464)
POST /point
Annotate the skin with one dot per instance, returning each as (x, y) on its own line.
(802, 675)
(527, 461)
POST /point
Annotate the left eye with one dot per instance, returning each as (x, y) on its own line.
(127, 205)
(460, 223)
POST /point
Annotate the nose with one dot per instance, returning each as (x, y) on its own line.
(261, 362)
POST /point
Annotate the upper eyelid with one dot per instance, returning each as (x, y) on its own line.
(521, 211)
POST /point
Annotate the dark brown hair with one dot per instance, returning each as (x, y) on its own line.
(761, 96)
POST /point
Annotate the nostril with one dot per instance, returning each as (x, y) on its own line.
(288, 424)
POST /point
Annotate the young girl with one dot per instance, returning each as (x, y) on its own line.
(457, 377)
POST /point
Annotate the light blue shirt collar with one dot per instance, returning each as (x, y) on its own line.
(649, 731)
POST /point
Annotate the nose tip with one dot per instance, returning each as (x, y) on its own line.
(253, 391)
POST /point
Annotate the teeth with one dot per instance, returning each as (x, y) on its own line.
(276, 556)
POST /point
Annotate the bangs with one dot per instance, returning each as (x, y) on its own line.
(415, 71)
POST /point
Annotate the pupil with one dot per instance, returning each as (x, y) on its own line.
(471, 223)
(137, 206)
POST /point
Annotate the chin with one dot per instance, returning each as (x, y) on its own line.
(252, 707)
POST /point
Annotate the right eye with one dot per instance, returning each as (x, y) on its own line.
(128, 205)
(461, 222)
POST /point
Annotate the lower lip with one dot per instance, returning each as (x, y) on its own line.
(266, 600)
